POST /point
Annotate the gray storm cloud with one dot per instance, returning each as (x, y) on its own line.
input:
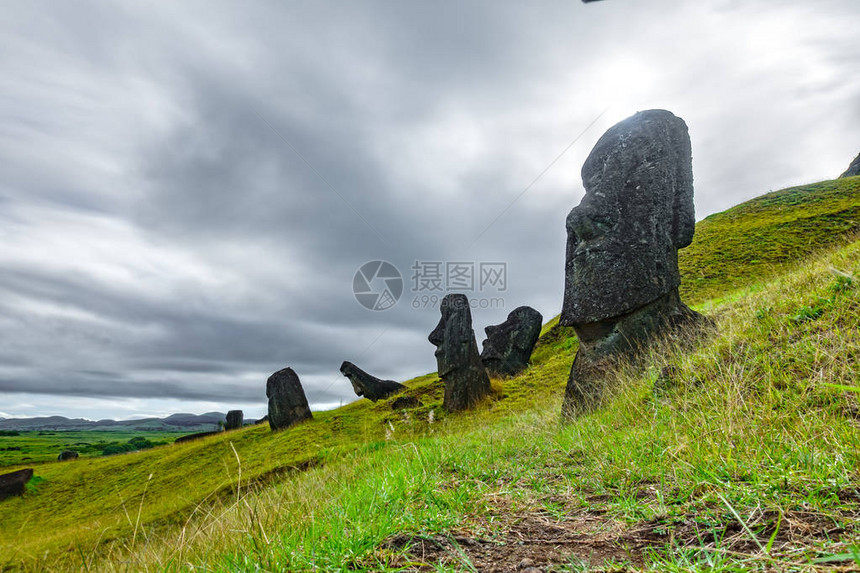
(187, 190)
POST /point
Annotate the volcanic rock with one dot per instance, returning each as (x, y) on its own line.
(621, 269)
(288, 404)
(13, 483)
(853, 169)
(235, 419)
(509, 345)
(367, 385)
(458, 363)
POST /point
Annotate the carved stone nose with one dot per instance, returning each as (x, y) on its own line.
(582, 226)
(437, 337)
(585, 226)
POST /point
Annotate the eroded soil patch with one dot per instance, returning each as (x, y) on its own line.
(536, 542)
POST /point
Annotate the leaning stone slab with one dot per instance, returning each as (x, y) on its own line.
(12, 484)
(367, 385)
(621, 268)
(509, 345)
(288, 404)
(457, 360)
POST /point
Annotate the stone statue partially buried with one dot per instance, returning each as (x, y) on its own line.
(621, 272)
(288, 404)
(509, 345)
(235, 420)
(369, 386)
(459, 365)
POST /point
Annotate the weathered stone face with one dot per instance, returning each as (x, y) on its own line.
(13, 483)
(621, 273)
(288, 404)
(509, 345)
(369, 386)
(624, 236)
(235, 420)
(66, 455)
(457, 359)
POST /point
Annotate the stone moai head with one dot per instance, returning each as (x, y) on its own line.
(235, 420)
(509, 345)
(349, 369)
(624, 236)
(367, 385)
(453, 336)
(457, 359)
(287, 401)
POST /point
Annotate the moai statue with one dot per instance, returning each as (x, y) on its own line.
(621, 270)
(235, 420)
(459, 365)
(369, 386)
(509, 345)
(287, 402)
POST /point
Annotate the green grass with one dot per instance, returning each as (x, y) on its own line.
(750, 436)
(763, 237)
(44, 446)
(746, 457)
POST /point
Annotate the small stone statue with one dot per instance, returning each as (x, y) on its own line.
(457, 359)
(621, 271)
(369, 386)
(509, 345)
(287, 402)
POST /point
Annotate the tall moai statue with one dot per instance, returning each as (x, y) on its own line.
(621, 269)
(457, 359)
(288, 404)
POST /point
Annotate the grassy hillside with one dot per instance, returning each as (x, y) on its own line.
(763, 237)
(45, 446)
(745, 456)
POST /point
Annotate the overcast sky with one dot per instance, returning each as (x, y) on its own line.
(187, 189)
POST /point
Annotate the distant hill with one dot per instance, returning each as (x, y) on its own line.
(174, 422)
